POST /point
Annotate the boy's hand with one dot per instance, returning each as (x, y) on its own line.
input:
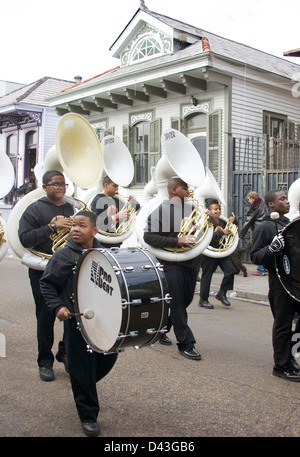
(277, 244)
(63, 314)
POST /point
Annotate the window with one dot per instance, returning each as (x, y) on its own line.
(145, 48)
(12, 150)
(143, 140)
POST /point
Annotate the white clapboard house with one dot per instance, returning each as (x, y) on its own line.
(238, 105)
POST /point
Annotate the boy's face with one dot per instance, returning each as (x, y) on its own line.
(281, 204)
(83, 231)
(55, 189)
(111, 189)
(215, 208)
(182, 191)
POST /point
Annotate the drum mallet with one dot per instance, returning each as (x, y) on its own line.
(274, 216)
(87, 313)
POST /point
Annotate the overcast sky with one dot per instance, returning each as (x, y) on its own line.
(65, 38)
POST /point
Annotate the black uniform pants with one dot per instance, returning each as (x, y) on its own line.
(45, 322)
(209, 266)
(85, 370)
(181, 284)
(283, 308)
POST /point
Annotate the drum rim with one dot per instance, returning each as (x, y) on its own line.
(278, 265)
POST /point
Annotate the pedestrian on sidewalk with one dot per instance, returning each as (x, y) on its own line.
(267, 242)
(254, 217)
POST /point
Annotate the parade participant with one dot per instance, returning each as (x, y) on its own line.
(254, 217)
(107, 205)
(181, 276)
(267, 241)
(40, 220)
(85, 368)
(210, 264)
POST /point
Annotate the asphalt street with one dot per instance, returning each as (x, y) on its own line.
(154, 391)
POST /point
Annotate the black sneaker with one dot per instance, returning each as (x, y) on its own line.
(289, 375)
(205, 304)
(91, 428)
(165, 340)
(46, 373)
(191, 353)
(62, 357)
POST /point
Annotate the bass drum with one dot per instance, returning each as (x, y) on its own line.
(127, 290)
(287, 261)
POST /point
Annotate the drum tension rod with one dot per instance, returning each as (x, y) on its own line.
(151, 331)
(131, 334)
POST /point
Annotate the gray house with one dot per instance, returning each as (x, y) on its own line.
(238, 105)
(28, 125)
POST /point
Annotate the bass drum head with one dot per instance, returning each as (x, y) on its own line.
(288, 260)
(127, 290)
(97, 288)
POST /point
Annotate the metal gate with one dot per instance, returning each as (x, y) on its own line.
(260, 164)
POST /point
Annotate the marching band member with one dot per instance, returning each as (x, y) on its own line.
(210, 264)
(35, 228)
(107, 207)
(85, 368)
(266, 243)
(181, 276)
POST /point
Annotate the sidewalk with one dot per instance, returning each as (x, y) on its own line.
(252, 288)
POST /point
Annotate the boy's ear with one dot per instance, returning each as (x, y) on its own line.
(95, 231)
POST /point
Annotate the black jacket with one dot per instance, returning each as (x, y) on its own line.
(163, 226)
(262, 237)
(101, 203)
(34, 231)
(57, 281)
(255, 215)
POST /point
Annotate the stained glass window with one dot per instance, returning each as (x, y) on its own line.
(147, 47)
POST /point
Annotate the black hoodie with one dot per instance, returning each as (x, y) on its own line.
(34, 230)
(57, 281)
(262, 237)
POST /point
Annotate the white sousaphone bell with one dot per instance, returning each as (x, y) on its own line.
(7, 178)
(77, 152)
(118, 166)
(180, 158)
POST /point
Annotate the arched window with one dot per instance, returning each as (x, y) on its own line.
(30, 154)
(147, 47)
(12, 150)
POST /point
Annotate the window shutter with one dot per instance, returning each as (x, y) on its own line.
(214, 144)
(154, 151)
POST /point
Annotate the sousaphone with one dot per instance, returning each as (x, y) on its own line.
(180, 159)
(7, 178)
(77, 152)
(118, 166)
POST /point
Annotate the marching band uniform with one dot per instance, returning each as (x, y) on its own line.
(283, 306)
(209, 266)
(34, 232)
(181, 276)
(85, 368)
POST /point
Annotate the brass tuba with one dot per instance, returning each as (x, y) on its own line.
(77, 152)
(180, 158)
